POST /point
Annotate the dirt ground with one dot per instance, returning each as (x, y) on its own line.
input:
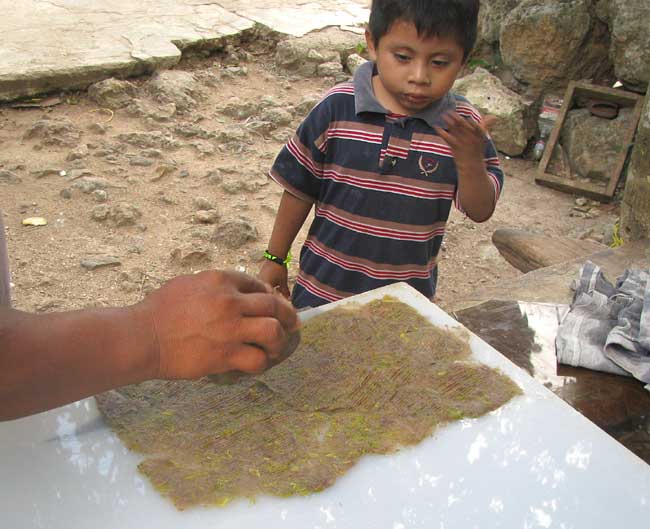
(198, 179)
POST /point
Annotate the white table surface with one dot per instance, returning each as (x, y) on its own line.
(535, 462)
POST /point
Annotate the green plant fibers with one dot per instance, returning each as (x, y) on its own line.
(365, 380)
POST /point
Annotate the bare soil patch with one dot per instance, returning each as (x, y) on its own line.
(153, 196)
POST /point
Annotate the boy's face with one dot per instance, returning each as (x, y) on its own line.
(413, 71)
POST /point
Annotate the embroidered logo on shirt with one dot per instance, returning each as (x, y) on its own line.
(428, 166)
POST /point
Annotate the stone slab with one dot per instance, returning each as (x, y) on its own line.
(70, 44)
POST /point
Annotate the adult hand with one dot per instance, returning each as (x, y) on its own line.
(276, 276)
(214, 322)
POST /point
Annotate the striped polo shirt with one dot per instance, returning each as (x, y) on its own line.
(382, 186)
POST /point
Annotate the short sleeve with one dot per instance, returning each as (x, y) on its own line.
(298, 168)
(493, 168)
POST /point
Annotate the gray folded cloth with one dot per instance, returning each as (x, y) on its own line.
(608, 327)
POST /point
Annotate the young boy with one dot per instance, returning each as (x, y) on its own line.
(382, 158)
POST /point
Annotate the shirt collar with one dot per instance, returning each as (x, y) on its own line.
(365, 100)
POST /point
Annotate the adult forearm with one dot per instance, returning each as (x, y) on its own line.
(292, 213)
(475, 191)
(48, 360)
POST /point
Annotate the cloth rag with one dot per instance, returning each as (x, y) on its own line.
(608, 327)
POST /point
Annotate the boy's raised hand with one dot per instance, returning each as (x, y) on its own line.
(276, 276)
(465, 137)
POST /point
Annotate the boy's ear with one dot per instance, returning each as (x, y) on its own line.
(370, 45)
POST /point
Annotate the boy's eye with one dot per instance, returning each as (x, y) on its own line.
(401, 57)
(440, 63)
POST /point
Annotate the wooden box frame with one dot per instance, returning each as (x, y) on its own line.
(582, 89)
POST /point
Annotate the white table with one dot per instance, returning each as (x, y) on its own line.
(535, 462)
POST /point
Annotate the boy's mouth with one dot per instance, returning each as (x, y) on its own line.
(415, 99)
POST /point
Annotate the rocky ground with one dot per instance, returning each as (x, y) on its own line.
(173, 180)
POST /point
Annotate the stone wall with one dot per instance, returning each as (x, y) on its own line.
(635, 209)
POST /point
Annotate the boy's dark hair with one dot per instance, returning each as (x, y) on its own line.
(457, 19)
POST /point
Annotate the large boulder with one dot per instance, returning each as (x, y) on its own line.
(629, 23)
(546, 44)
(305, 54)
(514, 125)
(635, 209)
(490, 17)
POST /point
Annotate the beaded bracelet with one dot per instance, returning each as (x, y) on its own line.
(278, 260)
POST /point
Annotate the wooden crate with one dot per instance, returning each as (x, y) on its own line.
(589, 91)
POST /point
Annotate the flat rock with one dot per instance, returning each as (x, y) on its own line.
(100, 261)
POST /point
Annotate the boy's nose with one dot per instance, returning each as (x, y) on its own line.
(419, 74)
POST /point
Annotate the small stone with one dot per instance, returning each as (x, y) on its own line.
(88, 184)
(192, 256)
(100, 261)
(278, 117)
(124, 214)
(100, 213)
(100, 196)
(354, 61)
(188, 130)
(581, 201)
(131, 281)
(149, 140)
(47, 305)
(261, 127)
(151, 153)
(232, 187)
(306, 104)
(55, 131)
(202, 203)
(184, 173)
(234, 71)
(65, 193)
(78, 173)
(8, 177)
(43, 173)
(214, 177)
(140, 161)
(112, 93)
(204, 148)
(235, 234)
(78, 153)
(169, 201)
(210, 216)
(329, 69)
(97, 128)
(240, 109)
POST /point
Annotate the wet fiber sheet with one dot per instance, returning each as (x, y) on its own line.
(366, 379)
